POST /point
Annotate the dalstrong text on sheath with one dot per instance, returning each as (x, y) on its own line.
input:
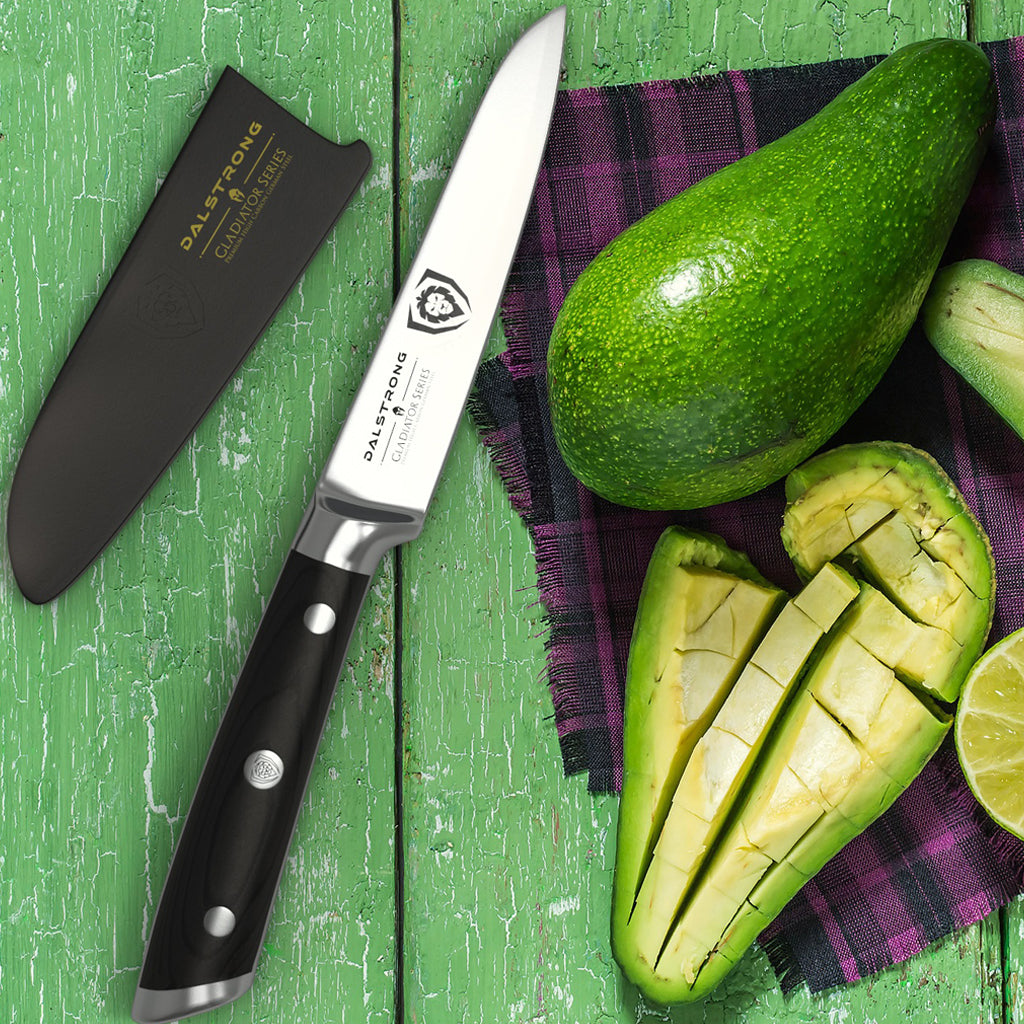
(213, 196)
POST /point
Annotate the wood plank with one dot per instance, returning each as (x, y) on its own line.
(509, 864)
(997, 19)
(1002, 19)
(111, 694)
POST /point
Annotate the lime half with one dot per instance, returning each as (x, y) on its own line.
(990, 732)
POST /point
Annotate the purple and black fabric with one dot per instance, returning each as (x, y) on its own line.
(934, 862)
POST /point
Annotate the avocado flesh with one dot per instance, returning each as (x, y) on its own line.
(702, 609)
(909, 743)
(930, 589)
(727, 861)
(833, 769)
(928, 555)
(707, 349)
(808, 767)
(918, 653)
(720, 761)
(974, 317)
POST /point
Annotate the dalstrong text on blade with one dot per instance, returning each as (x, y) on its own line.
(394, 382)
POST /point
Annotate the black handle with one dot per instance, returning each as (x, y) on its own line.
(224, 876)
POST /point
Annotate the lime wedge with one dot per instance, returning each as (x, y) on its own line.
(989, 732)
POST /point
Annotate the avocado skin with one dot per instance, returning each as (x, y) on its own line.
(721, 339)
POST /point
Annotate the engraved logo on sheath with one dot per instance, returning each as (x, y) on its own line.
(439, 305)
(169, 306)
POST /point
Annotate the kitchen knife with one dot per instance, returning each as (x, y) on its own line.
(372, 495)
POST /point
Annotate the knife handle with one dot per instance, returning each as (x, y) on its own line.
(224, 875)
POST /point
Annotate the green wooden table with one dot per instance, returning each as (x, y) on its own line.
(439, 777)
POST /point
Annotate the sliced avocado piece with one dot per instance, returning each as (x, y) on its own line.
(929, 555)
(702, 609)
(746, 717)
(822, 755)
(821, 779)
(808, 766)
(903, 736)
(834, 588)
(919, 653)
(722, 758)
(916, 733)
(906, 732)
(855, 517)
(851, 684)
(867, 699)
(930, 590)
(802, 621)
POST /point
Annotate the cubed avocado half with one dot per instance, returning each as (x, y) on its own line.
(703, 608)
(718, 765)
(891, 512)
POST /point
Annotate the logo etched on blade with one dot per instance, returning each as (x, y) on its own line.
(439, 305)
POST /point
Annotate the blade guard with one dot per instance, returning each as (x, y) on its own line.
(248, 201)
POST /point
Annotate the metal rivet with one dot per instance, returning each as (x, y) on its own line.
(319, 618)
(219, 921)
(263, 769)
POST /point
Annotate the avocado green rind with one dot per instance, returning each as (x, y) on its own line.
(973, 315)
(721, 339)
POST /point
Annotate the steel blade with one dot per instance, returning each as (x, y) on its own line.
(396, 437)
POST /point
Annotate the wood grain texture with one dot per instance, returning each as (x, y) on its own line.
(508, 879)
(112, 693)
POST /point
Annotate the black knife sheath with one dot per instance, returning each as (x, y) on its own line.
(248, 201)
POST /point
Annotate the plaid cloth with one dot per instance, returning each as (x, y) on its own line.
(934, 862)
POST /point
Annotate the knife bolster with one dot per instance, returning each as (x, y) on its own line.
(350, 535)
(156, 1006)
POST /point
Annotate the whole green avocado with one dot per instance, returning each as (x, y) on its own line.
(721, 339)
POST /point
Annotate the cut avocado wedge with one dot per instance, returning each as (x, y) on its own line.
(974, 317)
(719, 763)
(806, 771)
(927, 554)
(904, 744)
(818, 784)
(703, 609)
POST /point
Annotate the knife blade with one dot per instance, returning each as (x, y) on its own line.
(371, 496)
